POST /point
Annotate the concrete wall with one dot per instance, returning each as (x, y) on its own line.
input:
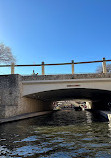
(11, 101)
(35, 86)
(27, 105)
(9, 93)
(66, 76)
(89, 104)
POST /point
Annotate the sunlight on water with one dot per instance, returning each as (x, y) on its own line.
(64, 134)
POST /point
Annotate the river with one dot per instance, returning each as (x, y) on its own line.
(62, 134)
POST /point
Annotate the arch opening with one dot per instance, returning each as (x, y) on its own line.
(99, 98)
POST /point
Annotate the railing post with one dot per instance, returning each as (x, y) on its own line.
(72, 66)
(12, 68)
(104, 66)
(43, 70)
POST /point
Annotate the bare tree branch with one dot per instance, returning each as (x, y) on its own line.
(100, 69)
(6, 54)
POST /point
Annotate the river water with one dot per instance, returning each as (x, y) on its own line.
(62, 134)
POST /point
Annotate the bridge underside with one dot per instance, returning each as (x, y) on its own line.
(99, 97)
(74, 93)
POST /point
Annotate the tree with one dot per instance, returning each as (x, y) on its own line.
(100, 69)
(6, 54)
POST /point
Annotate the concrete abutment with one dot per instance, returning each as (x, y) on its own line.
(12, 103)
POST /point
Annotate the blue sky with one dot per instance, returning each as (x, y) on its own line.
(56, 31)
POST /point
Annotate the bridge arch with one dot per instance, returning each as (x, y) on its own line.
(95, 89)
(36, 86)
(99, 98)
(72, 93)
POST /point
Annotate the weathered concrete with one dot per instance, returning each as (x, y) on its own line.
(9, 94)
(66, 76)
(12, 103)
(27, 94)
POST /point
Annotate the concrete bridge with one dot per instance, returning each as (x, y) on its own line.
(24, 95)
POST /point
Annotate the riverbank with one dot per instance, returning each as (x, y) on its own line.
(23, 116)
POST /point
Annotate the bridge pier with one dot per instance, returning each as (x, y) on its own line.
(13, 104)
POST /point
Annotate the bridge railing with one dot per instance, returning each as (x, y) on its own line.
(72, 63)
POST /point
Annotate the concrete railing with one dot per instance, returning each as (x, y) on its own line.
(72, 63)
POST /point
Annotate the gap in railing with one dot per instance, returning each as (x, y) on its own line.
(86, 68)
(28, 70)
(58, 69)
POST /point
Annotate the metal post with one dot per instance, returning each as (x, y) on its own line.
(12, 68)
(43, 70)
(72, 66)
(104, 66)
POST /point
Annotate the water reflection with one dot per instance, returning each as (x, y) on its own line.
(88, 117)
(60, 134)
